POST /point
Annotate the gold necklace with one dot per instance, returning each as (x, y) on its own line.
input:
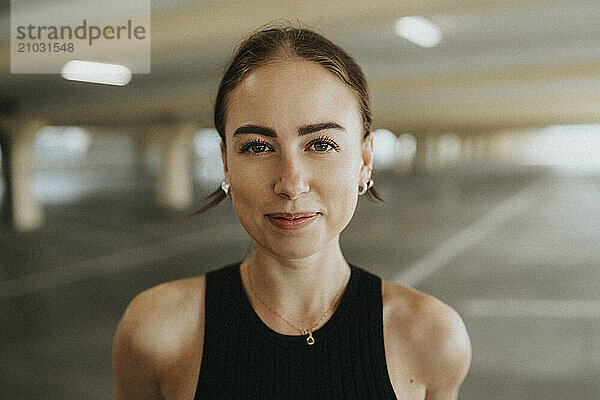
(309, 339)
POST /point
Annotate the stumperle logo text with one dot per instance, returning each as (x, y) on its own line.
(83, 31)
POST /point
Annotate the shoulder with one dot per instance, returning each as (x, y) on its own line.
(435, 331)
(160, 314)
(156, 332)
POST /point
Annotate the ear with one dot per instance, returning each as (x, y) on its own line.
(367, 157)
(224, 158)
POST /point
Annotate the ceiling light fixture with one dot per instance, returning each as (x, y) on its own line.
(95, 72)
(419, 31)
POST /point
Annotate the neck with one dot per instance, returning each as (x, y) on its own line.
(300, 290)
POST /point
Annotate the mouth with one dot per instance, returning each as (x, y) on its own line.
(292, 216)
(292, 221)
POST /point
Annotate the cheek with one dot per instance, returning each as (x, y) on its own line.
(343, 174)
(245, 173)
(250, 188)
(247, 186)
(338, 184)
(246, 202)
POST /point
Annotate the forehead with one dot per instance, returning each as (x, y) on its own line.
(286, 94)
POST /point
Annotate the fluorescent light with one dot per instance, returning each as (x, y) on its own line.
(94, 72)
(419, 31)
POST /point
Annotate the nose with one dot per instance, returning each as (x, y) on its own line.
(292, 179)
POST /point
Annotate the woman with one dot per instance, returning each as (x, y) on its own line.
(294, 320)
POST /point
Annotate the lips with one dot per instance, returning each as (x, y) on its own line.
(292, 221)
(292, 216)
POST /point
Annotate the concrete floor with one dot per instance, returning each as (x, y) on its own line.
(514, 250)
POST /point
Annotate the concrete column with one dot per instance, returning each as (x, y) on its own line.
(502, 145)
(466, 149)
(174, 184)
(448, 150)
(480, 146)
(142, 146)
(403, 166)
(148, 149)
(406, 144)
(488, 145)
(6, 206)
(426, 157)
(26, 210)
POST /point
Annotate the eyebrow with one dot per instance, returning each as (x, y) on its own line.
(303, 130)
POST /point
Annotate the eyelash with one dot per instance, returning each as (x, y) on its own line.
(327, 140)
(248, 145)
(320, 140)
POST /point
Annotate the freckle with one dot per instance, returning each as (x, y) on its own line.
(411, 381)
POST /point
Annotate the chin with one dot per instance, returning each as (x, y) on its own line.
(293, 251)
(294, 247)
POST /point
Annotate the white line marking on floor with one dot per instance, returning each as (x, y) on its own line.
(111, 263)
(471, 235)
(526, 308)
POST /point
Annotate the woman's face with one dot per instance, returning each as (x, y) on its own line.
(294, 146)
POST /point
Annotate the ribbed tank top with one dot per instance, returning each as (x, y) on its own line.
(245, 359)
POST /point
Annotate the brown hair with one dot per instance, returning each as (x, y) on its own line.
(279, 43)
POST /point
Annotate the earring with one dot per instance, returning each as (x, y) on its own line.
(225, 187)
(363, 189)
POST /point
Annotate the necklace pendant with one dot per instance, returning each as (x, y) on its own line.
(309, 339)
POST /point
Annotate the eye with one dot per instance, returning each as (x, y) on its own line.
(255, 147)
(323, 144)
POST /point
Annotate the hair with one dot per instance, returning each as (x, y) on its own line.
(279, 43)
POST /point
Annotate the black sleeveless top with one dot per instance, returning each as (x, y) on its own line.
(245, 359)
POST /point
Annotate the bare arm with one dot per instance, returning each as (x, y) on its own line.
(449, 356)
(135, 377)
(158, 344)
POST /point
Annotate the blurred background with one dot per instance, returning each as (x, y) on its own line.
(487, 118)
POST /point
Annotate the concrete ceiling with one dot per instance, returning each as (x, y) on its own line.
(501, 64)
